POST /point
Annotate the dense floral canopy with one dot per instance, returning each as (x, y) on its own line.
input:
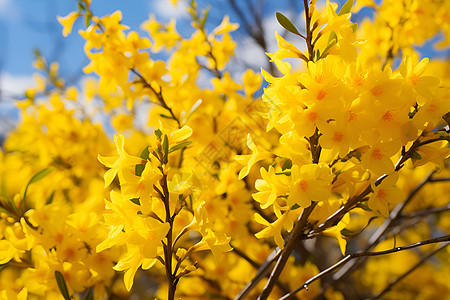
(227, 190)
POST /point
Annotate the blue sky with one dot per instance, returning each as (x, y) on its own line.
(29, 24)
(26, 25)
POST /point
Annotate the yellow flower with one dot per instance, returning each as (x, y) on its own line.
(377, 159)
(67, 22)
(385, 195)
(414, 78)
(225, 27)
(322, 85)
(7, 251)
(381, 86)
(249, 160)
(163, 36)
(433, 109)
(116, 163)
(216, 242)
(252, 82)
(270, 187)
(335, 232)
(285, 50)
(133, 186)
(272, 229)
(335, 137)
(309, 183)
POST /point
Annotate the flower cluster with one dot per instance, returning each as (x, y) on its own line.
(216, 184)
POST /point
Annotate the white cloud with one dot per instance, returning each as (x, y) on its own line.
(249, 54)
(8, 10)
(163, 9)
(3, 4)
(13, 87)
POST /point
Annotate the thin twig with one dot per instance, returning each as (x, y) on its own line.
(263, 270)
(445, 238)
(418, 264)
(296, 235)
(352, 202)
(240, 253)
(245, 257)
(381, 231)
(425, 212)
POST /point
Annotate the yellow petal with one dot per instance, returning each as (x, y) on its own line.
(180, 134)
(67, 22)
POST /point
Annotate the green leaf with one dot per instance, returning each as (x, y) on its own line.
(37, 53)
(364, 206)
(193, 108)
(135, 201)
(332, 40)
(7, 201)
(205, 16)
(416, 156)
(89, 295)
(286, 23)
(317, 55)
(139, 168)
(446, 118)
(40, 175)
(36, 177)
(180, 146)
(158, 133)
(145, 154)
(88, 18)
(165, 146)
(295, 206)
(346, 8)
(283, 173)
(287, 164)
(332, 37)
(80, 7)
(347, 233)
(62, 285)
(165, 116)
(50, 198)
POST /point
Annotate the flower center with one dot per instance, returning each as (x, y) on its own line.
(303, 185)
(377, 91)
(382, 194)
(388, 116)
(312, 116)
(321, 94)
(414, 78)
(338, 136)
(377, 154)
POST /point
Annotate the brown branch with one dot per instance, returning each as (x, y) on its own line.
(445, 238)
(245, 257)
(158, 95)
(352, 202)
(168, 250)
(256, 266)
(383, 229)
(296, 235)
(263, 270)
(425, 212)
(418, 264)
(256, 32)
(308, 31)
